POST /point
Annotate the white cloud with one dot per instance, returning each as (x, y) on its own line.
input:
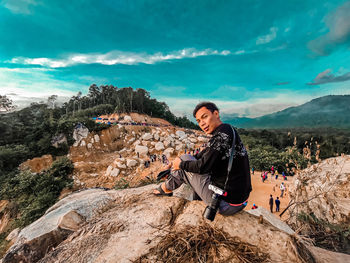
(268, 37)
(24, 86)
(18, 6)
(118, 57)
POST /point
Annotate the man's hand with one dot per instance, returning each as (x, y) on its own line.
(176, 164)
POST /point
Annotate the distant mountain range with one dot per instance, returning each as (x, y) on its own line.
(327, 111)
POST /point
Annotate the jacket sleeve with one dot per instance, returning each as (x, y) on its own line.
(204, 164)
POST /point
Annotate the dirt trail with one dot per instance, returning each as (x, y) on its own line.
(261, 192)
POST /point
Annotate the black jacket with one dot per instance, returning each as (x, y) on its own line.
(214, 159)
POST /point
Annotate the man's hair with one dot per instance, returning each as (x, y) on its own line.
(209, 105)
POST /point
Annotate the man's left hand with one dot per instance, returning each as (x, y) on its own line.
(176, 163)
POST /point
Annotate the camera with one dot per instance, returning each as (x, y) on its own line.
(210, 211)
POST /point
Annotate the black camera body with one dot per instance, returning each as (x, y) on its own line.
(211, 210)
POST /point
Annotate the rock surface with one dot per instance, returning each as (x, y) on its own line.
(324, 190)
(123, 225)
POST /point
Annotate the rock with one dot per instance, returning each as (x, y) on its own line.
(89, 145)
(131, 162)
(147, 136)
(71, 221)
(115, 172)
(168, 152)
(35, 240)
(127, 233)
(273, 220)
(58, 140)
(179, 147)
(97, 138)
(92, 140)
(159, 146)
(202, 139)
(120, 165)
(80, 132)
(13, 235)
(145, 143)
(142, 150)
(181, 134)
(131, 140)
(127, 118)
(327, 187)
(82, 143)
(166, 143)
(109, 170)
(194, 140)
(156, 137)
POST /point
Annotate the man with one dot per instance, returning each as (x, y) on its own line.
(210, 165)
(277, 202)
(282, 188)
(271, 203)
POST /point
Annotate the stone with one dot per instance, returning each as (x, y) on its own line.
(156, 137)
(180, 134)
(142, 150)
(83, 143)
(127, 118)
(89, 145)
(80, 132)
(147, 136)
(115, 172)
(120, 165)
(109, 170)
(179, 147)
(194, 140)
(168, 152)
(71, 221)
(202, 139)
(131, 162)
(13, 234)
(159, 146)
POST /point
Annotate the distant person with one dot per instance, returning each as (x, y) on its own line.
(276, 176)
(282, 188)
(252, 170)
(284, 175)
(254, 206)
(272, 170)
(277, 202)
(271, 203)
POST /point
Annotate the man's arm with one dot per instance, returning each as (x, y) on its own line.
(203, 165)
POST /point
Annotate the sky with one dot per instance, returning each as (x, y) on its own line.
(250, 57)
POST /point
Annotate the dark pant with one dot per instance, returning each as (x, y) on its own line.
(200, 185)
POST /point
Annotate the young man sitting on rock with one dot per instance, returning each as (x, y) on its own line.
(210, 166)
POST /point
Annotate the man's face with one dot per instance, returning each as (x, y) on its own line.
(208, 121)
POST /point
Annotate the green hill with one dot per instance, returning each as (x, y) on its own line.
(327, 111)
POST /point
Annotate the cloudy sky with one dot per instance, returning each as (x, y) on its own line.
(251, 57)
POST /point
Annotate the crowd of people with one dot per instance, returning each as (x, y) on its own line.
(274, 174)
(156, 157)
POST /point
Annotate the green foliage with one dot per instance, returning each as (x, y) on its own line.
(34, 193)
(121, 184)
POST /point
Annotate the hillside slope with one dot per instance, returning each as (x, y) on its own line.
(327, 111)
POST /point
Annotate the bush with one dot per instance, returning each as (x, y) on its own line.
(35, 193)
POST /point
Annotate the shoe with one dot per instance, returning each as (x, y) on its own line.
(161, 192)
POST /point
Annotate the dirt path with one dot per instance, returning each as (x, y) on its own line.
(261, 192)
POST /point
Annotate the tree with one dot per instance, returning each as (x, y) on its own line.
(51, 100)
(6, 104)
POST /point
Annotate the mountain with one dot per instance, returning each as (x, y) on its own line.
(327, 111)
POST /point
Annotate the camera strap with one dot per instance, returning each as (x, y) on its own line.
(230, 162)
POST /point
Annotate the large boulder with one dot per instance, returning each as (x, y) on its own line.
(132, 225)
(147, 136)
(323, 190)
(159, 146)
(80, 132)
(62, 219)
(142, 150)
(131, 162)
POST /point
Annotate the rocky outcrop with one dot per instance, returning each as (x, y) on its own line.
(57, 224)
(324, 190)
(127, 225)
(80, 132)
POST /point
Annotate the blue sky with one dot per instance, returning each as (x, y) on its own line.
(250, 57)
